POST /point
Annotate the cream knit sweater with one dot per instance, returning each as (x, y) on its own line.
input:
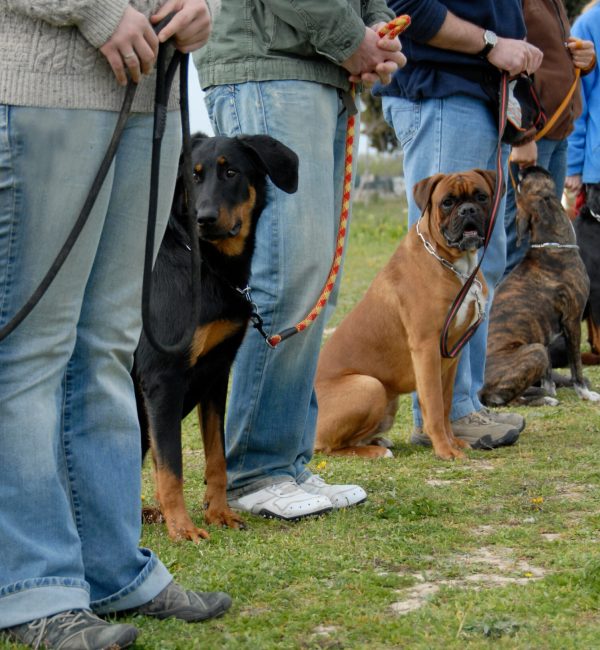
(49, 54)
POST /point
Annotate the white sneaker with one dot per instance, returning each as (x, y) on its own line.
(282, 501)
(341, 496)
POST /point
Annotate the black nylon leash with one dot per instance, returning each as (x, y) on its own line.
(451, 352)
(164, 80)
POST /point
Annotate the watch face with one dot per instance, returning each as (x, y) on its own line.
(490, 37)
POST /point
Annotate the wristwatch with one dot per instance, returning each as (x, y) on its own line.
(490, 39)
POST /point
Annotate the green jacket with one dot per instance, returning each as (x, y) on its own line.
(261, 40)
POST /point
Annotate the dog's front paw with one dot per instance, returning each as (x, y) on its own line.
(460, 444)
(446, 452)
(585, 393)
(184, 529)
(223, 517)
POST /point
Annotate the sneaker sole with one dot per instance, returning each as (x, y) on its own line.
(485, 442)
(267, 514)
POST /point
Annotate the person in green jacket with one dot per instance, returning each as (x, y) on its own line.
(285, 69)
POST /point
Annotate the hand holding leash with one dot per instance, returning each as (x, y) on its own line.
(379, 54)
(582, 53)
(133, 46)
(190, 27)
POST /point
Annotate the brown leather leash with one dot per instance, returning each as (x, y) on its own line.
(447, 351)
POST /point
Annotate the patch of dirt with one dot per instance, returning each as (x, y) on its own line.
(510, 570)
(481, 531)
(572, 491)
(436, 482)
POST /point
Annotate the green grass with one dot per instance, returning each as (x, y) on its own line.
(499, 550)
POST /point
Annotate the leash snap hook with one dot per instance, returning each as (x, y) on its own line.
(255, 318)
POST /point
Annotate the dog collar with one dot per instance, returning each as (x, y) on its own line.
(431, 250)
(553, 244)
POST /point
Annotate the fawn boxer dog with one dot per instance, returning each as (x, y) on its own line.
(541, 299)
(390, 342)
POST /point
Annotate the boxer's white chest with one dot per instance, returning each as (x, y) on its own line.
(474, 298)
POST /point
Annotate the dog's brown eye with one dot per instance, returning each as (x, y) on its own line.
(447, 203)
(230, 173)
(197, 176)
(482, 198)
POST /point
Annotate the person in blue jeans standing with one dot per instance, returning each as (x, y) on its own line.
(444, 123)
(283, 69)
(70, 457)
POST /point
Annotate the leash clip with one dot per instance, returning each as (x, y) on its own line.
(255, 318)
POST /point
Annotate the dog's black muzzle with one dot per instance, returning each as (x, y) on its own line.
(467, 227)
(209, 228)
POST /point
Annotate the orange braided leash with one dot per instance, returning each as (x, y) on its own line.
(391, 30)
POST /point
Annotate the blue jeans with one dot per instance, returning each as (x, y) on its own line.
(552, 155)
(450, 135)
(70, 519)
(271, 417)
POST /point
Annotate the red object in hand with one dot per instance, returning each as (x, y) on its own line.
(395, 27)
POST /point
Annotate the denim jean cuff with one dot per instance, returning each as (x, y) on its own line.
(462, 408)
(304, 476)
(149, 583)
(30, 601)
(236, 493)
(459, 410)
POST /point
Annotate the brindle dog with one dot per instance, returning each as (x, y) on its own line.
(541, 299)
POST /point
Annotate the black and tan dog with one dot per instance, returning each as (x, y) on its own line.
(587, 229)
(390, 342)
(541, 299)
(230, 174)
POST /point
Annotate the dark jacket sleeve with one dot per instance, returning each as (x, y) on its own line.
(426, 17)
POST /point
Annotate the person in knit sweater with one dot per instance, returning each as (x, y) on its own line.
(70, 505)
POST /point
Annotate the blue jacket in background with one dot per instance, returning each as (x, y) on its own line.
(434, 72)
(584, 142)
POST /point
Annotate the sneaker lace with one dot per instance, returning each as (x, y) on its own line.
(73, 619)
(286, 488)
(37, 630)
(479, 418)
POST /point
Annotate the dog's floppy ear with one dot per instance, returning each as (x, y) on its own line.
(279, 162)
(523, 220)
(423, 190)
(490, 177)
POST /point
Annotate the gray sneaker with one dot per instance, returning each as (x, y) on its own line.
(514, 419)
(191, 606)
(479, 430)
(73, 630)
(284, 500)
